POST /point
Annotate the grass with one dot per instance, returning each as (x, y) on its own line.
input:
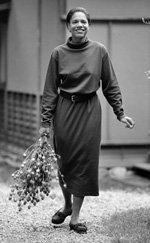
(130, 226)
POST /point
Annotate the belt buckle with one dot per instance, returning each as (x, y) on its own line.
(73, 98)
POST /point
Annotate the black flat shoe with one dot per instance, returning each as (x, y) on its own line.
(59, 217)
(78, 228)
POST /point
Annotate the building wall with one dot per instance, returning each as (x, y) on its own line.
(52, 32)
(34, 30)
(113, 8)
(23, 44)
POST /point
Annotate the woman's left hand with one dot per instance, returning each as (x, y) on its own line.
(128, 121)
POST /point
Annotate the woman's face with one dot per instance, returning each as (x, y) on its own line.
(78, 26)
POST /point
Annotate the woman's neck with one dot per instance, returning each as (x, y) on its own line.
(78, 41)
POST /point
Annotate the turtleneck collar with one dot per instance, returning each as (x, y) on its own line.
(77, 46)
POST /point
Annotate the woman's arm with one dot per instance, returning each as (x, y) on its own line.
(111, 91)
(50, 94)
(110, 87)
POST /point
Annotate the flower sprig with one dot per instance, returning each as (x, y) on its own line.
(146, 21)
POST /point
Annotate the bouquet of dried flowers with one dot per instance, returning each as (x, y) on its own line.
(33, 179)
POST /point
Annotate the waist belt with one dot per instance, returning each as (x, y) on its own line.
(77, 97)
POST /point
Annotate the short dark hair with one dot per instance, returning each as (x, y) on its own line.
(77, 9)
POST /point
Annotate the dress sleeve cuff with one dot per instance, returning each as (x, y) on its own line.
(120, 116)
(47, 125)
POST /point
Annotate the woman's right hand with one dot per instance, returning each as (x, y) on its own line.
(48, 131)
(45, 130)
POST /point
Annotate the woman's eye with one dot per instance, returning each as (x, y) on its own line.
(76, 22)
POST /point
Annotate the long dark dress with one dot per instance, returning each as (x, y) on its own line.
(78, 69)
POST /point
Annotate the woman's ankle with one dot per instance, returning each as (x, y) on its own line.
(67, 209)
(74, 220)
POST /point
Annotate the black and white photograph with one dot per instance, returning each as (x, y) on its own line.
(74, 121)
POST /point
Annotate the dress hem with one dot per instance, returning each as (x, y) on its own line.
(85, 194)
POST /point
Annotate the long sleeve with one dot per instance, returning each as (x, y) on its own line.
(50, 93)
(110, 87)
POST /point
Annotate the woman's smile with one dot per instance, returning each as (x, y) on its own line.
(79, 31)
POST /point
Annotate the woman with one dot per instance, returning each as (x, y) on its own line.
(75, 69)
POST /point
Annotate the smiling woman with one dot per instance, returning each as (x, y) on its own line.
(74, 113)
